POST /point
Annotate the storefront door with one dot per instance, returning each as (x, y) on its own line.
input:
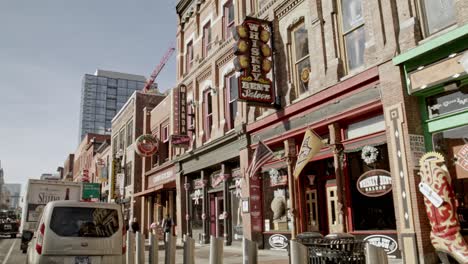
(216, 214)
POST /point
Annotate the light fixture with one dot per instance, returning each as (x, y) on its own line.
(456, 76)
(420, 67)
(452, 55)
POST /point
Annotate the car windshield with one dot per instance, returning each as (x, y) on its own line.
(84, 222)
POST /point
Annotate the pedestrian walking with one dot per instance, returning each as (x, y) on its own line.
(167, 226)
(135, 226)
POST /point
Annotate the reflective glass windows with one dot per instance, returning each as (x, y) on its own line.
(228, 19)
(352, 21)
(439, 14)
(301, 57)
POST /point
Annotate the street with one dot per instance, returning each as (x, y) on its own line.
(9, 251)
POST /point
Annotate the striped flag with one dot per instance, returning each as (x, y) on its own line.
(261, 155)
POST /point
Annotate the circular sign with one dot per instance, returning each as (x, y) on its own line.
(387, 243)
(305, 75)
(146, 145)
(375, 183)
(278, 241)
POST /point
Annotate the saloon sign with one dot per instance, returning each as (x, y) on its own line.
(253, 50)
(146, 145)
(374, 183)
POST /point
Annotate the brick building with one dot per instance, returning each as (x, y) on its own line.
(83, 166)
(68, 168)
(126, 171)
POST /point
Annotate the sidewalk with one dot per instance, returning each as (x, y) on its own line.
(232, 255)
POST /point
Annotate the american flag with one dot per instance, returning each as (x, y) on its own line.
(261, 155)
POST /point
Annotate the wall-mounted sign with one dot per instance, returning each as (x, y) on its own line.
(375, 183)
(91, 190)
(180, 140)
(278, 241)
(448, 102)
(253, 50)
(462, 161)
(182, 109)
(113, 178)
(146, 145)
(382, 241)
(85, 175)
(216, 179)
(418, 148)
(161, 177)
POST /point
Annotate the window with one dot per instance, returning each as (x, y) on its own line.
(189, 57)
(353, 33)
(228, 19)
(84, 222)
(232, 96)
(208, 114)
(206, 39)
(121, 139)
(300, 56)
(130, 133)
(128, 174)
(438, 14)
(164, 146)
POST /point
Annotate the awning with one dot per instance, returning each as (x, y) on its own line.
(150, 191)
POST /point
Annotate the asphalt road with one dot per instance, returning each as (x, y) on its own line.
(10, 252)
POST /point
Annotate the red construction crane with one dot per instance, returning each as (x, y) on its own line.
(158, 69)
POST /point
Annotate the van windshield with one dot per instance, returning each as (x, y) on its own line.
(84, 222)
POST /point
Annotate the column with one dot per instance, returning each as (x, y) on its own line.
(205, 218)
(337, 148)
(290, 151)
(187, 207)
(226, 174)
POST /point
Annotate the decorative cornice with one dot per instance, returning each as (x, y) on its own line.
(286, 7)
(205, 74)
(225, 58)
(266, 7)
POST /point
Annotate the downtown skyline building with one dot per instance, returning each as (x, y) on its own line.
(102, 96)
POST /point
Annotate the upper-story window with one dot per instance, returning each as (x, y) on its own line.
(228, 19)
(438, 15)
(232, 93)
(130, 133)
(189, 57)
(190, 120)
(206, 39)
(121, 139)
(301, 60)
(353, 35)
(207, 114)
(164, 146)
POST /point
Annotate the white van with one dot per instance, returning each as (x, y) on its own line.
(78, 233)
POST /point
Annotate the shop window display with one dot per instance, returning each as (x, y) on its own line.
(276, 200)
(196, 215)
(372, 210)
(453, 144)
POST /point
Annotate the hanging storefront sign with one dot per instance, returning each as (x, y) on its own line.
(374, 183)
(278, 177)
(311, 145)
(113, 178)
(180, 137)
(146, 145)
(253, 50)
(180, 140)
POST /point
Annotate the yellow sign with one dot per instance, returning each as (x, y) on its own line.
(113, 178)
(311, 145)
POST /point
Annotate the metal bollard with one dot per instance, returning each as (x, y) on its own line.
(216, 250)
(154, 248)
(140, 248)
(129, 257)
(189, 250)
(170, 249)
(375, 255)
(299, 253)
(249, 251)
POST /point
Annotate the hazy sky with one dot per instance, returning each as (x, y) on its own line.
(46, 47)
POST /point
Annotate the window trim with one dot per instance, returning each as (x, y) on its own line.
(421, 9)
(342, 37)
(206, 44)
(228, 114)
(206, 115)
(295, 74)
(189, 59)
(226, 25)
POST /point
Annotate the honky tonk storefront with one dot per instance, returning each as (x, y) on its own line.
(345, 188)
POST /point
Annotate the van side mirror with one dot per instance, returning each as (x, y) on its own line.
(27, 236)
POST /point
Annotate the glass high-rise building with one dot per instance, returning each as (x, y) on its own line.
(102, 96)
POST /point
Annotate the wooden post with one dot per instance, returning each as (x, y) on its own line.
(290, 150)
(205, 203)
(335, 142)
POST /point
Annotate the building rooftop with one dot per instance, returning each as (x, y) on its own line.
(120, 75)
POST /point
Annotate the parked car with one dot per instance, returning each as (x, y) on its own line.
(78, 232)
(9, 223)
